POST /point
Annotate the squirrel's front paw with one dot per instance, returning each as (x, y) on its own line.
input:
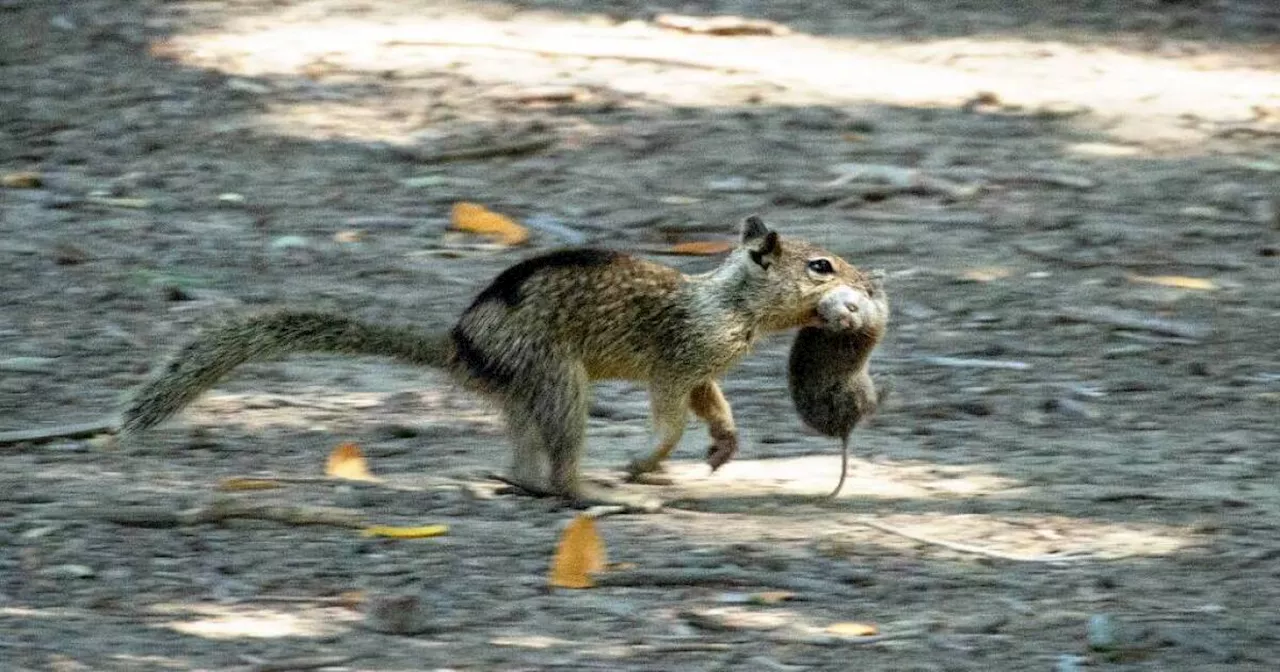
(724, 448)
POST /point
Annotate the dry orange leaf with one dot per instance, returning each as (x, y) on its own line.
(1179, 281)
(853, 629)
(347, 461)
(702, 247)
(234, 484)
(579, 554)
(474, 218)
(394, 532)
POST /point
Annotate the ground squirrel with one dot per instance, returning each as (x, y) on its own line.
(535, 338)
(827, 369)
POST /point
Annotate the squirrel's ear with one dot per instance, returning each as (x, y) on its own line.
(753, 227)
(765, 251)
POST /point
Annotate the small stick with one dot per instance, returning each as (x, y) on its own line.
(941, 218)
(235, 483)
(962, 363)
(699, 576)
(824, 639)
(45, 434)
(223, 509)
(1065, 260)
(1126, 319)
(302, 663)
(514, 148)
(551, 53)
(973, 550)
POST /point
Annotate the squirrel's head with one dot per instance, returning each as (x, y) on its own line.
(794, 283)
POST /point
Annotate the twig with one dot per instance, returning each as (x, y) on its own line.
(1126, 319)
(683, 647)
(943, 218)
(1052, 179)
(240, 483)
(44, 434)
(553, 53)
(788, 636)
(226, 508)
(973, 550)
(899, 179)
(513, 148)
(699, 576)
(302, 663)
(959, 362)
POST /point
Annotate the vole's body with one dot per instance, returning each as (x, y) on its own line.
(545, 328)
(828, 376)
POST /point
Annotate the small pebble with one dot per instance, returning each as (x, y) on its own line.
(68, 572)
(289, 242)
(27, 364)
(1101, 633)
(397, 615)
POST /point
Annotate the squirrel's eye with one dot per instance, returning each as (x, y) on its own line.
(821, 266)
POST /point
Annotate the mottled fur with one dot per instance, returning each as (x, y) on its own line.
(548, 326)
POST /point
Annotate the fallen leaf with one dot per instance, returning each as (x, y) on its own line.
(579, 554)
(347, 461)
(848, 629)
(23, 180)
(701, 247)
(420, 532)
(1179, 281)
(234, 484)
(475, 218)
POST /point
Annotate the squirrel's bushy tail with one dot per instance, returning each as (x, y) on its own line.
(213, 354)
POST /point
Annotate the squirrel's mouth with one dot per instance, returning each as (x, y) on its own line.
(815, 319)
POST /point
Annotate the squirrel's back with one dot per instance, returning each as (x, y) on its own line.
(615, 313)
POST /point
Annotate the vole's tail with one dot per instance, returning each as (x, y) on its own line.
(213, 354)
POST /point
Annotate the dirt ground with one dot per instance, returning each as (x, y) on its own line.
(1084, 342)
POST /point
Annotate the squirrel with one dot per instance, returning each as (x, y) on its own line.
(827, 370)
(536, 337)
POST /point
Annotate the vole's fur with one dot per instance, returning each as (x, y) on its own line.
(827, 371)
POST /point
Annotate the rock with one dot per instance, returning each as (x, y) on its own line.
(403, 614)
(290, 243)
